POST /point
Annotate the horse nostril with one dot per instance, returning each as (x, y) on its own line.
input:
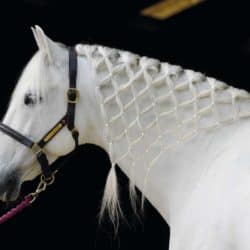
(11, 181)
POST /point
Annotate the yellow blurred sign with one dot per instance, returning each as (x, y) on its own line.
(167, 8)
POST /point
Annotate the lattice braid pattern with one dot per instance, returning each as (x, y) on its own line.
(150, 107)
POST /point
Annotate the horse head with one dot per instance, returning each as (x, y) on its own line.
(38, 102)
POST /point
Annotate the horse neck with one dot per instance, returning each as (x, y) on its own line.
(178, 170)
(88, 116)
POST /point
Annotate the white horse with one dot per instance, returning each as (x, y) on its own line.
(182, 138)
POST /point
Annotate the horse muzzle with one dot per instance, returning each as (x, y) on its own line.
(10, 187)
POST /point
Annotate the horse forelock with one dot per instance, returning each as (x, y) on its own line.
(34, 78)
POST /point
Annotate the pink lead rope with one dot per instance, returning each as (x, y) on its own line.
(30, 198)
(19, 208)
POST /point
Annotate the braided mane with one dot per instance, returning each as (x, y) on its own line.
(150, 107)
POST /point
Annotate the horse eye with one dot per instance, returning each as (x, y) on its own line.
(31, 99)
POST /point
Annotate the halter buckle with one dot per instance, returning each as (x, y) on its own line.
(36, 149)
(73, 95)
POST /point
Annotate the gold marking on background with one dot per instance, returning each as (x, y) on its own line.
(53, 132)
(167, 8)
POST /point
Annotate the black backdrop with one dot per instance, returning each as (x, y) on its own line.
(212, 38)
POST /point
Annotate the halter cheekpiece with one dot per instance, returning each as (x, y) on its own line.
(47, 176)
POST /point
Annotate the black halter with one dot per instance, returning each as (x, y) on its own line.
(68, 119)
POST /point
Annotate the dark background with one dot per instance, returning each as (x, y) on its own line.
(212, 38)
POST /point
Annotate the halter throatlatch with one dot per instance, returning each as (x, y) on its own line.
(48, 175)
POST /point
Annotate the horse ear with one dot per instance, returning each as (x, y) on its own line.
(45, 44)
(39, 45)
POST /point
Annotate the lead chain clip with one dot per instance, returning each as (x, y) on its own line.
(43, 184)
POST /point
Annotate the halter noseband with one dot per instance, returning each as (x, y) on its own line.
(68, 119)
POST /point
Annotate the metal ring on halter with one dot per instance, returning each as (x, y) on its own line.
(73, 95)
(49, 180)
